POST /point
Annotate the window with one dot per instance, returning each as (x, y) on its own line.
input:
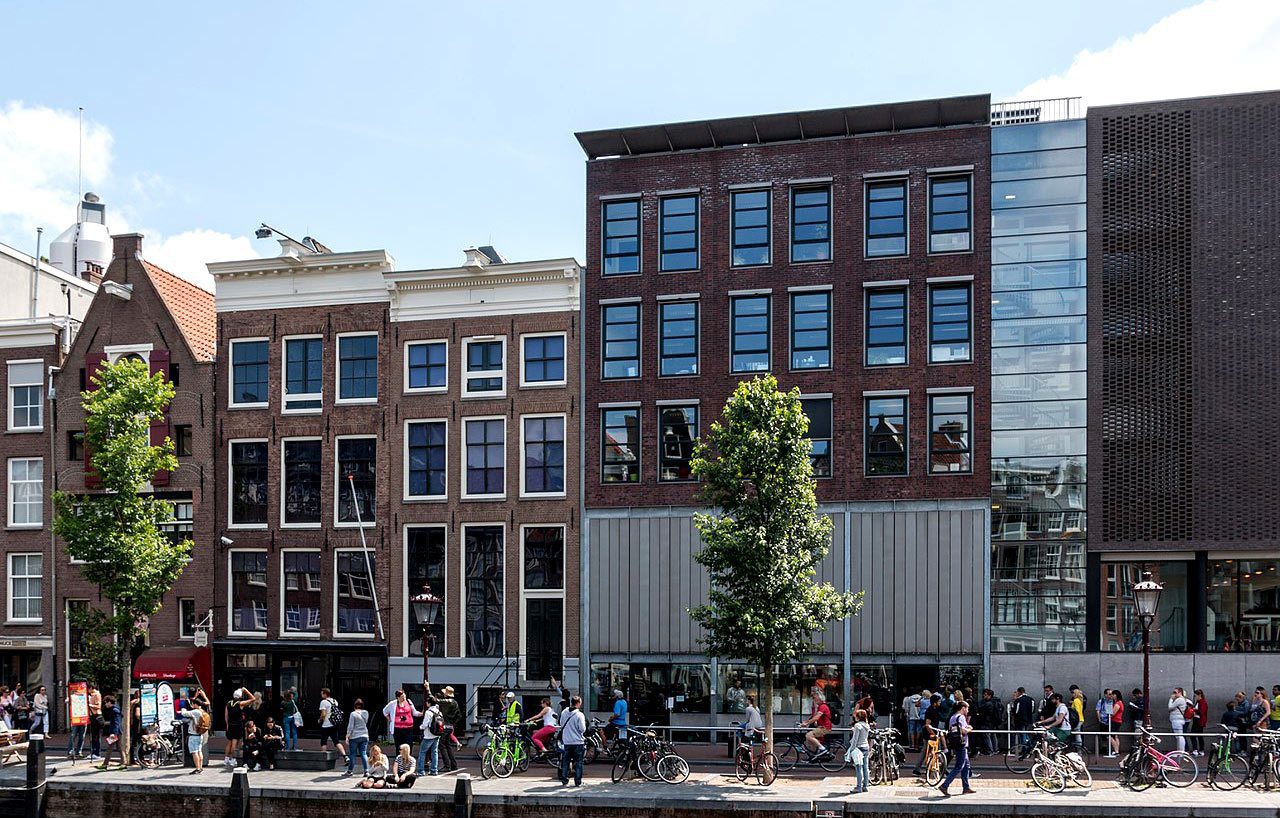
(186, 618)
(484, 374)
(25, 587)
(425, 557)
(620, 445)
(621, 234)
(949, 444)
(248, 482)
(542, 441)
(544, 558)
(182, 440)
(354, 598)
(543, 360)
(426, 366)
(357, 475)
(175, 374)
(77, 638)
(679, 216)
(301, 588)
(542, 631)
(1235, 592)
(75, 446)
(249, 369)
(886, 329)
(26, 379)
(26, 492)
(949, 214)
(949, 324)
(301, 483)
(621, 338)
(357, 368)
(750, 333)
(677, 430)
(678, 338)
(485, 458)
(303, 374)
(750, 230)
(248, 589)
(811, 330)
(818, 410)
(810, 224)
(181, 527)
(886, 436)
(886, 219)
(483, 581)
(425, 442)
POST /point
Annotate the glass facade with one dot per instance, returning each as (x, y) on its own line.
(1038, 515)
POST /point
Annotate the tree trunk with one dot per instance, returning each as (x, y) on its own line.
(766, 706)
(126, 707)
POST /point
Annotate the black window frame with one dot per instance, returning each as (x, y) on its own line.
(664, 233)
(796, 191)
(354, 371)
(302, 474)
(605, 220)
(870, 311)
(183, 440)
(734, 334)
(934, 289)
(605, 358)
(967, 431)
(430, 453)
(75, 446)
(261, 371)
(489, 447)
(364, 467)
(427, 366)
(734, 244)
(870, 219)
(631, 466)
(795, 348)
(934, 213)
(255, 469)
(666, 461)
(186, 618)
(869, 437)
(827, 454)
(552, 463)
(663, 321)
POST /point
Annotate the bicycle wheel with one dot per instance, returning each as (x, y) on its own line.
(788, 757)
(1080, 775)
(768, 769)
(936, 771)
(1016, 762)
(834, 761)
(1228, 773)
(1047, 776)
(878, 769)
(482, 744)
(1179, 769)
(504, 762)
(742, 764)
(1143, 773)
(673, 769)
(590, 752)
(149, 757)
(647, 764)
(620, 767)
(486, 764)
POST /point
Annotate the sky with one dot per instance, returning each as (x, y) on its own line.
(424, 128)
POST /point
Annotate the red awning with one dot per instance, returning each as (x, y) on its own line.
(176, 664)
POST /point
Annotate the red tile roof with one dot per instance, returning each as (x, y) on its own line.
(192, 310)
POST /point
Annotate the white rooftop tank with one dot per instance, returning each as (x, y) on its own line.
(84, 249)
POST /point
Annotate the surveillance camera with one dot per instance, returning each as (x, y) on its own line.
(227, 541)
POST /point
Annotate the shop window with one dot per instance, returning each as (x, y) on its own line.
(1242, 605)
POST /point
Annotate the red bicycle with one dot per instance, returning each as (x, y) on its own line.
(1145, 765)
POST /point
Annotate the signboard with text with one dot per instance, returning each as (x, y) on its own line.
(148, 705)
(78, 695)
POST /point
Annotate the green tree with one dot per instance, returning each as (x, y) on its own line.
(95, 646)
(764, 539)
(117, 532)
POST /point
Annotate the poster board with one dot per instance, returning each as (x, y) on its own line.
(147, 709)
(78, 694)
(164, 706)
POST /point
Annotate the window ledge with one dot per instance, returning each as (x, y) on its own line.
(484, 395)
(427, 390)
(291, 635)
(24, 622)
(247, 634)
(950, 363)
(12, 527)
(542, 496)
(237, 406)
(248, 526)
(301, 526)
(484, 498)
(426, 498)
(26, 430)
(356, 402)
(369, 524)
(547, 385)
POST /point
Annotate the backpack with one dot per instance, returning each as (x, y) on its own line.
(203, 723)
(336, 716)
(1073, 718)
(955, 739)
(437, 722)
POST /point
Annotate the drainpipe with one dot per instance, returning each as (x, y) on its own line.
(54, 614)
(35, 271)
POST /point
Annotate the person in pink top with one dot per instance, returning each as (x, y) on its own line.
(403, 717)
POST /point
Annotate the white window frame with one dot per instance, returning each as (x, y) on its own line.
(524, 493)
(462, 446)
(524, 384)
(115, 353)
(426, 390)
(186, 637)
(11, 576)
(404, 476)
(466, 375)
(526, 595)
(285, 397)
(13, 404)
(283, 480)
(337, 369)
(288, 634)
(231, 481)
(407, 592)
(262, 634)
(232, 403)
(462, 584)
(373, 553)
(13, 494)
(339, 485)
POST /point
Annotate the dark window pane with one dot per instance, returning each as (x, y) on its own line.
(302, 481)
(750, 227)
(426, 567)
(678, 429)
(620, 446)
(357, 460)
(810, 224)
(356, 574)
(950, 447)
(750, 333)
(427, 469)
(679, 233)
(678, 338)
(302, 591)
(249, 594)
(886, 436)
(427, 365)
(621, 331)
(544, 558)
(544, 359)
(818, 410)
(949, 324)
(544, 455)
(811, 330)
(486, 455)
(249, 483)
(886, 327)
(249, 371)
(303, 372)
(483, 578)
(484, 366)
(358, 367)
(621, 229)
(886, 224)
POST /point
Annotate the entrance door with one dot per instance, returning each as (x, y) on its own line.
(543, 638)
(647, 696)
(361, 677)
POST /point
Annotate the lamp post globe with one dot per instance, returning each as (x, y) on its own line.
(1146, 601)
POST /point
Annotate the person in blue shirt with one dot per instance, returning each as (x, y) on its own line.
(619, 719)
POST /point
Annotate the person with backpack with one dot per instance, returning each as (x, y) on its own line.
(958, 731)
(291, 716)
(573, 731)
(452, 714)
(198, 725)
(331, 716)
(1058, 722)
(432, 729)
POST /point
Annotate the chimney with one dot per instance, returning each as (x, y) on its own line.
(126, 245)
(475, 257)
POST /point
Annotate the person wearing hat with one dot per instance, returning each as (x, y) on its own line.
(451, 714)
(512, 712)
(619, 718)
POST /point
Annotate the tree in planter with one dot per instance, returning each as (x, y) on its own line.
(764, 539)
(117, 532)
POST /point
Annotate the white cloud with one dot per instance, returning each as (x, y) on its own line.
(1215, 47)
(187, 253)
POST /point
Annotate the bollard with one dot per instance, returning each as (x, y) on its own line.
(184, 731)
(240, 793)
(35, 776)
(462, 800)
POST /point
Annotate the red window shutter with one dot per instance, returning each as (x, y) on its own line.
(92, 362)
(160, 428)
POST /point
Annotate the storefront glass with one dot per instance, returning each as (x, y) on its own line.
(1242, 605)
(1121, 629)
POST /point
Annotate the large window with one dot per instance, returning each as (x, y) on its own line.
(886, 436)
(620, 445)
(542, 359)
(750, 333)
(358, 368)
(248, 588)
(886, 329)
(544, 558)
(542, 443)
(811, 330)
(818, 410)
(426, 458)
(950, 423)
(182, 526)
(679, 216)
(303, 374)
(792, 688)
(26, 379)
(426, 366)
(357, 468)
(301, 587)
(950, 330)
(949, 214)
(886, 220)
(249, 372)
(483, 578)
(620, 228)
(485, 458)
(810, 224)
(355, 574)
(301, 486)
(677, 430)
(26, 581)
(248, 482)
(1121, 628)
(751, 227)
(425, 546)
(485, 373)
(1242, 610)
(678, 338)
(26, 492)
(621, 339)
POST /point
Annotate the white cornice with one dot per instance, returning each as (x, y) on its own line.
(331, 262)
(31, 332)
(495, 289)
(285, 282)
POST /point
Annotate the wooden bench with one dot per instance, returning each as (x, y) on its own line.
(13, 745)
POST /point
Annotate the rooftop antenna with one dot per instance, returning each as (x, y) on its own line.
(80, 164)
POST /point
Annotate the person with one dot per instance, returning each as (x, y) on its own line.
(95, 723)
(1047, 706)
(40, 711)
(618, 721)
(75, 740)
(911, 709)
(401, 774)
(234, 717)
(989, 710)
(753, 727)
(6, 708)
(1076, 708)
(865, 703)
(452, 714)
(1197, 721)
(430, 748)
(272, 742)
(1260, 710)
(820, 721)
(512, 710)
(1058, 722)
(135, 726)
(946, 705)
(573, 733)
(196, 717)
(1115, 723)
(251, 747)
(546, 724)
(860, 750)
(21, 708)
(358, 737)
(1240, 718)
(375, 772)
(932, 718)
(1178, 716)
(1023, 717)
(1137, 707)
(1275, 707)
(328, 729)
(111, 728)
(735, 697)
(290, 715)
(402, 715)
(958, 725)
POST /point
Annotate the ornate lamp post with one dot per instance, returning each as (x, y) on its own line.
(426, 608)
(1146, 599)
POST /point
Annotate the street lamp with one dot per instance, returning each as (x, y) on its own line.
(1146, 599)
(426, 608)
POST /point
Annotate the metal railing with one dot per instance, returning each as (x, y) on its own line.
(1022, 112)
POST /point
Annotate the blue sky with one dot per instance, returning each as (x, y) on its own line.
(426, 127)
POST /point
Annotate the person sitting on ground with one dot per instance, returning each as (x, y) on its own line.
(401, 775)
(375, 774)
(272, 742)
(251, 752)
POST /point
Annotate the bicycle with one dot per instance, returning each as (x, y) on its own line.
(886, 755)
(1144, 765)
(506, 753)
(155, 749)
(794, 751)
(1055, 762)
(1227, 770)
(1264, 759)
(936, 758)
(640, 752)
(746, 763)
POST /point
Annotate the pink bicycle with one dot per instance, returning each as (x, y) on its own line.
(1145, 765)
